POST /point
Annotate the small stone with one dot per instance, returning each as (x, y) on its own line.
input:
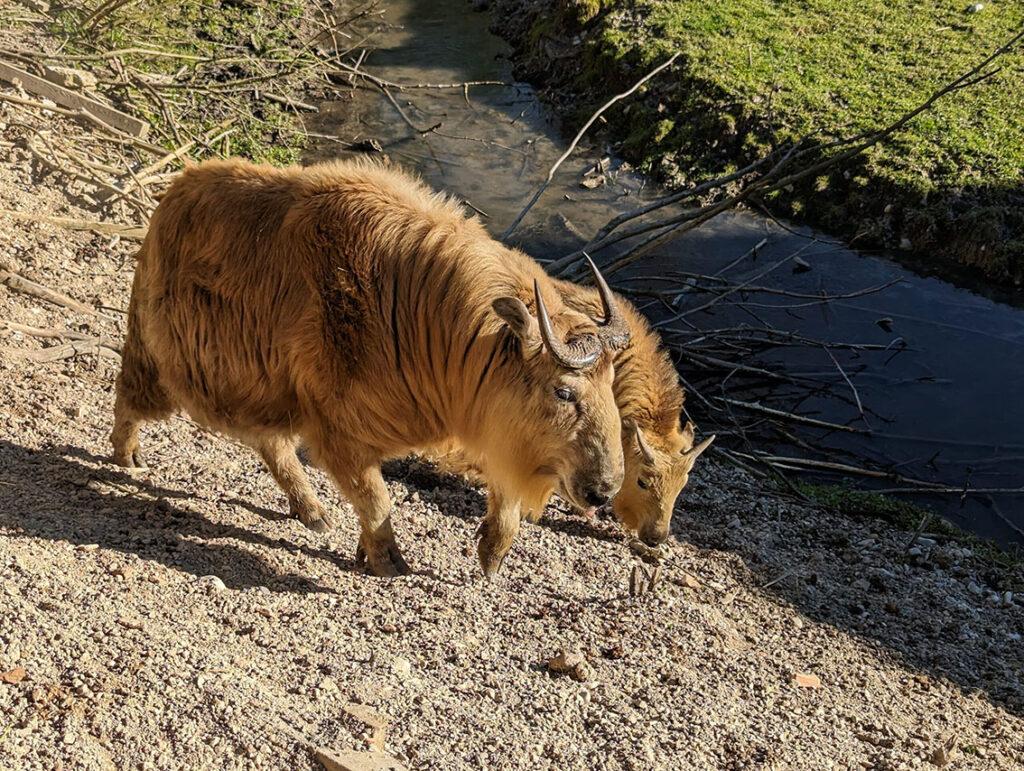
(975, 8)
(590, 183)
(974, 589)
(735, 524)
(401, 667)
(570, 663)
(212, 584)
(13, 676)
(1007, 599)
(862, 584)
(905, 243)
(691, 582)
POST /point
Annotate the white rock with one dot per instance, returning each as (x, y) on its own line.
(401, 667)
(212, 584)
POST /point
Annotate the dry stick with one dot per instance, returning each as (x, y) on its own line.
(733, 290)
(21, 284)
(66, 351)
(57, 333)
(88, 117)
(564, 262)
(579, 135)
(404, 117)
(853, 388)
(844, 468)
(134, 232)
(789, 416)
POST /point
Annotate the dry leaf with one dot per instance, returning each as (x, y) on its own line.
(14, 676)
(806, 680)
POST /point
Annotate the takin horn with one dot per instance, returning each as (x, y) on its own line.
(613, 331)
(586, 351)
(695, 452)
(641, 441)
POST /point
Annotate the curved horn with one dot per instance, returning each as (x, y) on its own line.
(613, 330)
(645, 449)
(563, 353)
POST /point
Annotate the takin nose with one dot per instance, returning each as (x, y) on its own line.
(654, 537)
(600, 494)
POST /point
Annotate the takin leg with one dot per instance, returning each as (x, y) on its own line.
(368, 494)
(497, 532)
(139, 397)
(279, 455)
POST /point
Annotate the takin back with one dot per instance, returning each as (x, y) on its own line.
(346, 307)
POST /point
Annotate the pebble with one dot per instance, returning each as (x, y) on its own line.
(975, 8)
(401, 667)
(973, 588)
(212, 584)
(571, 663)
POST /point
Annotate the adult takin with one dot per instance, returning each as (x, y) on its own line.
(347, 307)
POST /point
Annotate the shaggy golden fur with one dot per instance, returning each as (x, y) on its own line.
(348, 307)
(650, 400)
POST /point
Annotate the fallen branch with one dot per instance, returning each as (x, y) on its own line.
(789, 416)
(133, 232)
(21, 284)
(73, 99)
(66, 351)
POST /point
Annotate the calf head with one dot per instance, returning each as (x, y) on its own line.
(657, 469)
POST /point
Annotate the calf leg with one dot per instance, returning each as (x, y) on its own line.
(279, 455)
(497, 532)
(139, 397)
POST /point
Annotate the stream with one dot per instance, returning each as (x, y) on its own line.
(939, 403)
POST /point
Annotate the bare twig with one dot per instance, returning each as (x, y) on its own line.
(576, 140)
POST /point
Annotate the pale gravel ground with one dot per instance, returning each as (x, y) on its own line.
(135, 660)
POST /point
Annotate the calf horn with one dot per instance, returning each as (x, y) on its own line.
(564, 354)
(613, 331)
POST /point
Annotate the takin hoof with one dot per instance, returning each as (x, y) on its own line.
(133, 459)
(384, 560)
(315, 517)
(489, 553)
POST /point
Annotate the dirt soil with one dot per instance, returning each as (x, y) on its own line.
(175, 618)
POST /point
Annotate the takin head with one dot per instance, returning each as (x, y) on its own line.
(657, 469)
(560, 426)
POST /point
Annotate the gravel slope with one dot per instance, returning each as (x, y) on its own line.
(175, 619)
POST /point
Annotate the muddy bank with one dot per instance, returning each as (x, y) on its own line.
(686, 127)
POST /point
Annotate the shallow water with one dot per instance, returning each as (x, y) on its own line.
(942, 403)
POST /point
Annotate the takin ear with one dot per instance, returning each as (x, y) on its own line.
(517, 316)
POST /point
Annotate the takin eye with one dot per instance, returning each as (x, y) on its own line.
(565, 394)
(643, 484)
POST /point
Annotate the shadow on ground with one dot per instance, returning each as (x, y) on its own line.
(57, 494)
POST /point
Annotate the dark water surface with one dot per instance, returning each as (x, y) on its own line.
(942, 403)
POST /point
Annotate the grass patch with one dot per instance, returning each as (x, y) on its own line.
(758, 72)
(861, 504)
(215, 62)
